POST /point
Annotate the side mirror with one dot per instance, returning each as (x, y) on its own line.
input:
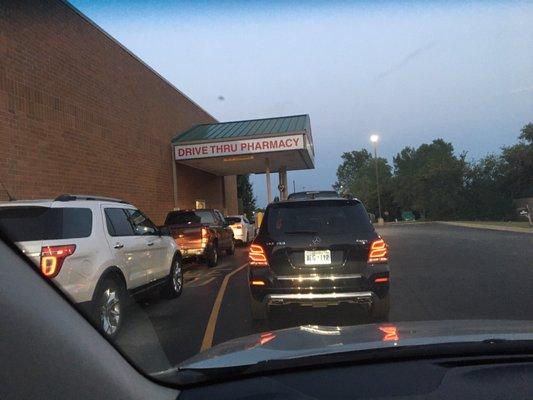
(164, 231)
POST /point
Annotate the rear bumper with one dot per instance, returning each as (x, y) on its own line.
(190, 253)
(318, 289)
(319, 298)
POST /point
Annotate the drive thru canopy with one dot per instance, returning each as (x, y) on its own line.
(253, 146)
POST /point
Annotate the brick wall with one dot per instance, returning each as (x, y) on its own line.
(79, 114)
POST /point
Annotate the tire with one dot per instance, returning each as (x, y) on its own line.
(174, 284)
(380, 308)
(259, 309)
(211, 256)
(231, 250)
(109, 306)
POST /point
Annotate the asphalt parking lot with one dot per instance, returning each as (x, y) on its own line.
(437, 272)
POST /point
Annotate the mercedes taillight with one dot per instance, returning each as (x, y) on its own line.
(257, 256)
(379, 252)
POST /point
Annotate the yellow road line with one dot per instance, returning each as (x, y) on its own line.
(212, 323)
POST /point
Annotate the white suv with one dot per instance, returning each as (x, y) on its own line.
(243, 230)
(98, 250)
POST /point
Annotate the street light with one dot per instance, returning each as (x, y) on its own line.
(374, 138)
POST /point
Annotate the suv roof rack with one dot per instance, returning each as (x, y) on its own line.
(73, 197)
(313, 194)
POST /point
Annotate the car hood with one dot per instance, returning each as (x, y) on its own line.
(313, 340)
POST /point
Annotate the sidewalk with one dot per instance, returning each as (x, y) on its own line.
(486, 226)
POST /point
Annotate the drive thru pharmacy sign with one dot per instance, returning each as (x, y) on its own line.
(238, 147)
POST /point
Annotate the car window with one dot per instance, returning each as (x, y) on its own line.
(44, 223)
(190, 217)
(245, 220)
(118, 223)
(321, 217)
(141, 223)
(233, 220)
(220, 218)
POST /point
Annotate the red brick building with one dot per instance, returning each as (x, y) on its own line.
(79, 113)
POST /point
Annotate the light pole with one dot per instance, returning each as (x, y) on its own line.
(374, 139)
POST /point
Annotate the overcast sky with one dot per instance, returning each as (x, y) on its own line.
(412, 72)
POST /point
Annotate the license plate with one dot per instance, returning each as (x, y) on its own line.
(317, 257)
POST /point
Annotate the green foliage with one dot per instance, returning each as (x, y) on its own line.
(527, 133)
(357, 175)
(438, 184)
(517, 166)
(430, 179)
(484, 198)
(245, 194)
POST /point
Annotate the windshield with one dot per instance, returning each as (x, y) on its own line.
(232, 182)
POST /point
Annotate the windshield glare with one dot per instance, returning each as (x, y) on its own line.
(214, 184)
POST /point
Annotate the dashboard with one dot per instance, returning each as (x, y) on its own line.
(455, 378)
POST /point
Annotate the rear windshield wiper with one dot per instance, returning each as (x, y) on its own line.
(302, 231)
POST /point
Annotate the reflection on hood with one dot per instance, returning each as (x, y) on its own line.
(311, 340)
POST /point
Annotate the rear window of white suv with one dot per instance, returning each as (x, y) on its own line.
(27, 223)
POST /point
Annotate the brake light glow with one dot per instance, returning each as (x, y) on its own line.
(266, 337)
(381, 280)
(52, 258)
(205, 237)
(257, 256)
(258, 283)
(379, 252)
(390, 333)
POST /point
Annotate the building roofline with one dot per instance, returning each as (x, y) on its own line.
(178, 135)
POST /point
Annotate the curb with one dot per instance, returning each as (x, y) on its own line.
(489, 227)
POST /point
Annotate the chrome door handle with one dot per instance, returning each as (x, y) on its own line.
(150, 244)
(118, 246)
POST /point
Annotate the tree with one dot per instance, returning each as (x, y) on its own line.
(527, 133)
(484, 197)
(430, 179)
(357, 176)
(517, 167)
(245, 194)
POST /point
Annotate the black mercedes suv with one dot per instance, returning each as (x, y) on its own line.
(321, 251)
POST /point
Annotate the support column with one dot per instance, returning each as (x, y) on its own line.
(269, 186)
(174, 178)
(282, 178)
(230, 195)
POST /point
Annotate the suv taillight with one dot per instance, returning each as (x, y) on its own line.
(205, 237)
(378, 252)
(52, 258)
(257, 256)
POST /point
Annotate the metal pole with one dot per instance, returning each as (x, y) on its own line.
(269, 187)
(293, 186)
(377, 178)
(282, 176)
